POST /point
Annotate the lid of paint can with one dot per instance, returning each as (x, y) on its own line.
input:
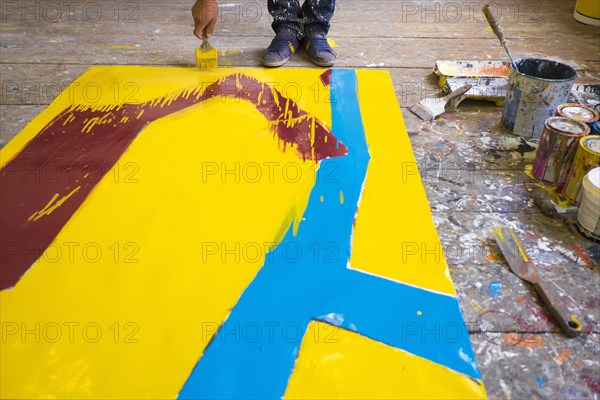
(591, 143)
(578, 112)
(567, 126)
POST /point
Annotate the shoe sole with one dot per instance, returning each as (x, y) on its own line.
(274, 64)
(323, 63)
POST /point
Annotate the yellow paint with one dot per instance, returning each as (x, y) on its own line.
(589, 8)
(340, 364)
(229, 52)
(322, 198)
(498, 232)
(341, 197)
(382, 243)
(522, 251)
(477, 306)
(332, 42)
(52, 205)
(574, 319)
(151, 235)
(174, 211)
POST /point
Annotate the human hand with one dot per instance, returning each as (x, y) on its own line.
(205, 18)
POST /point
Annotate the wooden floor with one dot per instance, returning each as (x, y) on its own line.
(474, 173)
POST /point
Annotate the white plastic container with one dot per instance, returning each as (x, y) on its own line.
(589, 211)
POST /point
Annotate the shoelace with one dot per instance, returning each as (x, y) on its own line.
(279, 44)
(319, 43)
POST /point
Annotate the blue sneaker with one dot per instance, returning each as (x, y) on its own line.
(281, 49)
(319, 51)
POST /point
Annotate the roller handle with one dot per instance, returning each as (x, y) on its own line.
(568, 323)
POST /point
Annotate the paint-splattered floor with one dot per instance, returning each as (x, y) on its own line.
(476, 177)
(475, 174)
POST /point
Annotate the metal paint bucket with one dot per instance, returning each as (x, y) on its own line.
(578, 112)
(588, 218)
(586, 158)
(534, 93)
(588, 12)
(557, 149)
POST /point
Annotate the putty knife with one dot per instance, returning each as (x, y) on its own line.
(521, 265)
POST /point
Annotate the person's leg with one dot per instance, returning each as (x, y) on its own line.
(286, 14)
(289, 29)
(317, 14)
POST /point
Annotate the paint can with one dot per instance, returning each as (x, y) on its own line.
(596, 128)
(588, 218)
(586, 158)
(578, 112)
(557, 149)
(588, 12)
(534, 93)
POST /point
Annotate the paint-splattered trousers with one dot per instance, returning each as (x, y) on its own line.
(312, 16)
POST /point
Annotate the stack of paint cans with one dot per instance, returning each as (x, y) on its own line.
(566, 155)
(557, 149)
(587, 157)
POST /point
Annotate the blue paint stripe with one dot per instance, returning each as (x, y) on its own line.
(253, 354)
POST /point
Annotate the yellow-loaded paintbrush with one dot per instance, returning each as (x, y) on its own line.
(206, 56)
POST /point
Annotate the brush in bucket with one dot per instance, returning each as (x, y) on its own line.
(536, 87)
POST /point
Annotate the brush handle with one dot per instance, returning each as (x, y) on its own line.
(457, 93)
(568, 323)
(494, 23)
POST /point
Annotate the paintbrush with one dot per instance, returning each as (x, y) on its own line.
(206, 55)
(428, 109)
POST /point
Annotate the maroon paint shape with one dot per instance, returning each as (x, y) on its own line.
(326, 78)
(72, 153)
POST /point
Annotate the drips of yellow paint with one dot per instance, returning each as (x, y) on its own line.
(51, 205)
(180, 206)
(341, 197)
(69, 119)
(322, 198)
(419, 313)
(257, 212)
(105, 119)
(332, 42)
